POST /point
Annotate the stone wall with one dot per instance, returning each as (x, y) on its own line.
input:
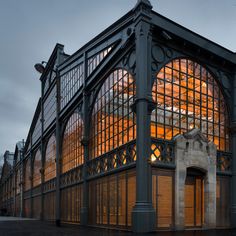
(193, 150)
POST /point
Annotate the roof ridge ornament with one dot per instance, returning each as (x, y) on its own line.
(144, 2)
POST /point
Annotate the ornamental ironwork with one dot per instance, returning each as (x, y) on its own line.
(115, 159)
(71, 177)
(162, 151)
(49, 185)
(224, 161)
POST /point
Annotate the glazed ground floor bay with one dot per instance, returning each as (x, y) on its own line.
(112, 198)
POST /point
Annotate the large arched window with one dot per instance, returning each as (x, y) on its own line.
(187, 97)
(113, 122)
(50, 163)
(37, 168)
(27, 175)
(72, 149)
(18, 181)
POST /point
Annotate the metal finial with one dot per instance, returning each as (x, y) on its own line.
(146, 2)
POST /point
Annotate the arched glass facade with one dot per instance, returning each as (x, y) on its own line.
(37, 168)
(188, 97)
(27, 175)
(72, 149)
(113, 122)
(50, 163)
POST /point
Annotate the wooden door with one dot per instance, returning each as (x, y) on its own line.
(189, 201)
(193, 201)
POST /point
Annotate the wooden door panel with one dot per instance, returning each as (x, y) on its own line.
(193, 201)
(189, 204)
(198, 202)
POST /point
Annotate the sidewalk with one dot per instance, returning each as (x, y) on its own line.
(11, 218)
(13, 226)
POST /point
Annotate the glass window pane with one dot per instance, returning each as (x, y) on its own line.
(190, 90)
(116, 125)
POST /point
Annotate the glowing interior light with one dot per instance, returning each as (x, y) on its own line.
(153, 158)
(191, 126)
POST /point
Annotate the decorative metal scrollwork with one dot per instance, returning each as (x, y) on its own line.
(36, 190)
(129, 61)
(27, 194)
(159, 55)
(117, 158)
(72, 177)
(162, 151)
(224, 161)
(49, 185)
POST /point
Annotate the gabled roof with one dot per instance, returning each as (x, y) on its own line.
(9, 158)
(192, 37)
(19, 148)
(20, 145)
(7, 165)
(164, 23)
(32, 126)
(54, 60)
(57, 57)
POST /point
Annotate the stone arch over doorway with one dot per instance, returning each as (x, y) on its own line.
(192, 150)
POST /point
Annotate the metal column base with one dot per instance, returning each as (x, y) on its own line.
(58, 223)
(143, 218)
(84, 216)
(233, 216)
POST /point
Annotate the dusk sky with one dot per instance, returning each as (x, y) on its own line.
(29, 30)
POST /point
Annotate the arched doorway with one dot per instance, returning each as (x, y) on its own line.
(195, 177)
(194, 197)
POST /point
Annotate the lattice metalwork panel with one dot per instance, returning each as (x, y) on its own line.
(113, 122)
(50, 157)
(37, 130)
(49, 185)
(46, 83)
(224, 161)
(162, 151)
(71, 82)
(37, 169)
(188, 97)
(115, 159)
(94, 61)
(72, 148)
(27, 171)
(49, 106)
(27, 194)
(71, 177)
(36, 190)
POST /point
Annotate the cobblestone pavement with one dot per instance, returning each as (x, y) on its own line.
(26, 227)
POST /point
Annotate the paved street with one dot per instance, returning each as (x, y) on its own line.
(10, 226)
(9, 218)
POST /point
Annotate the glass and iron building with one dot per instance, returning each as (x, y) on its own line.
(135, 130)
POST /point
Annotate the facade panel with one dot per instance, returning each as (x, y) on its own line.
(111, 200)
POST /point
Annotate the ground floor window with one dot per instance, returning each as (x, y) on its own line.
(71, 202)
(27, 207)
(36, 207)
(17, 205)
(49, 206)
(223, 201)
(111, 199)
(162, 196)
